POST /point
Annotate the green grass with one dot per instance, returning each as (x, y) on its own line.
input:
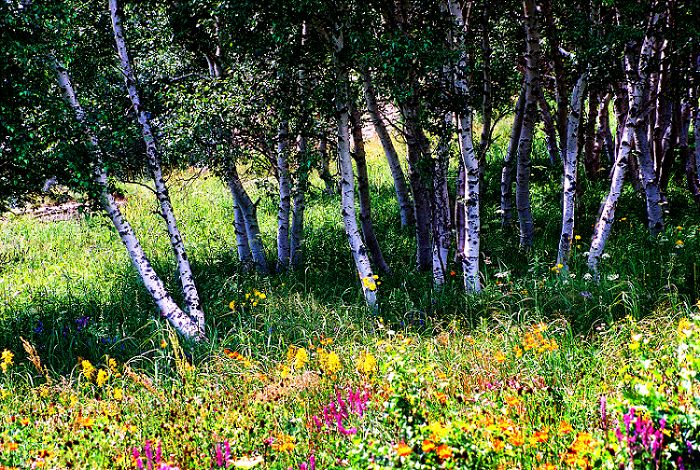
(53, 274)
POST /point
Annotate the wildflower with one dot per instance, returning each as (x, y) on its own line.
(442, 398)
(512, 401)
(428, 446)
(112, 363)
(163, 344)
(444, 452)
(613, 277)
(605, 255)
(88, 369)
(679, 243)
(685, 328)
(101, 377)
(539, 437)
(11, 446)
(369, 283)
(516, 439)
(501, 275)
(499, 356)
(498, 445)
(577, 237)
(565, 427)
(518, 351)
(453, 273)
(300, 358)
(439, 431)
(284, 443)
(366, 363)
(6, 358)
(232, 305)
(118, 394)
(403, 449)
(547, 466)
(679, 228)
(587, 277)
(330, 362)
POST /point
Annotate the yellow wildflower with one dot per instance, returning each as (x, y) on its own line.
(101, 377)
(403, 449)
(88, 369)
(330, 362)
(366, 363)
(369, 283)
(118, 394)
(6, 358)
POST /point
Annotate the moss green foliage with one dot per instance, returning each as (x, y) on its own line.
(298, 374)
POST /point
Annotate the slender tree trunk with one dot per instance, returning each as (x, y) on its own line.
(604, 144)
(560, 93)
(242, 244)
(296, 242)
(183, 323)
(602, 228)
(441, 204)
(471, 197)
(591, 161)
(570, 172)
(402, 193)
(638, 83)
(621, 108)
(510, 158)
(189, 288)
(532, 87)
(250, 217)
(347, 178)
(419, 182)
(285, 197)
(363, 192)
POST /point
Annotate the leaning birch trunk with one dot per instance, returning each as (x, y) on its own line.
(182, 322)
(189, 288)
(347, 179)
(602, 228)
(441, 205)
(296, 239)
(550, 132)
(638, 84)
(360, 157)
(522, 193)
(400, 187)
(510, 157)
(570, 172)
(242, 244)
(250, 218)
(285, 197)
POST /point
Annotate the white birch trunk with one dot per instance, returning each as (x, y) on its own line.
(602, 228)
(471, 197)
(250, 218)
(183, 323)
(347, 179)
(242, 243)
(285, 198)
(442, 237)
(189, 288)
(638, 84)
(571, 172)
(400, 187)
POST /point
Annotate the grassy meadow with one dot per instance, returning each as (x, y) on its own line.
(540, 371)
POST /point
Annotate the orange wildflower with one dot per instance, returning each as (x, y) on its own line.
(428, 446)
(444, 452)
(565, 428)
(403, 449)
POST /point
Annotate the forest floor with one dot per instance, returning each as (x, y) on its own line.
(542, 370)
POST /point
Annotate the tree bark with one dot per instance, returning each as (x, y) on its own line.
(570, 172)
(419, 182)
(510, 158)
(441, 204)
(402, 193)
(325, 172)
(364, 197)
(182, 322)
(189, 288)
(347, 178)
(285, 198)
(296, 242)
(242, 244)
(250, 217)
(532, 86)
(638, 84)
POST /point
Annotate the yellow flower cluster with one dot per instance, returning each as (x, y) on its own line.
(534, 340)
(297, 357)
(284, 443)
(252, 299)
(371, 283)
(6, 360)
(366, 363)
(328, 361)
(101, 376)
